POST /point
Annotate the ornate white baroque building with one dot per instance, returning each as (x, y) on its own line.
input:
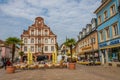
(39, 39)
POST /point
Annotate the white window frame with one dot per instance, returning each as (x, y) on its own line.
(46, 48)
(107, 33)
(32, 48)
(25, 40)
(105, 15)
(52, 48)
(113, 29)
(113, 12)
(25, 48)
(99, 19)
(101, 35)
(32, 40)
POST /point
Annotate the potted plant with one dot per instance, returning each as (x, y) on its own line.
(12, 42)
(70, 43)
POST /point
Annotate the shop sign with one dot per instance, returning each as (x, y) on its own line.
(86, 48)
(104, 44)
(117, 41)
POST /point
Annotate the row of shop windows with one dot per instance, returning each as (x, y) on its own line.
(114, 55)
(89, 57)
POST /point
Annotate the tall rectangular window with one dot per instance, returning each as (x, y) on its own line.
(46, 48)
(39, 32)
(32, 40)
(93, 40)
(105, 15)
(46, 32)
(46, 40)
(52, 48)
(39, 41)
(25, 40)
(101, 35)
(25, 48)
(52, 40)
(112, 10)
(39, 49)
(32, 48)
(107, 31)
(99, 20)
(115, 29)
(32, 32)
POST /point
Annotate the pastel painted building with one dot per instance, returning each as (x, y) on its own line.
(5, 51)
(108, 21)
(39, 39)
(87, 44)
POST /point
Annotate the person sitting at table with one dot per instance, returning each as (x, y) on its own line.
(8, 63)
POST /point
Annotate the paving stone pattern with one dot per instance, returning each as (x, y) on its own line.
(81, 73)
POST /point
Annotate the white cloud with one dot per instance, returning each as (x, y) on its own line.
(63, 16)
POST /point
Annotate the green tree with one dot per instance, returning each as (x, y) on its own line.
(70, 42)
(21, 53)
(13, 42)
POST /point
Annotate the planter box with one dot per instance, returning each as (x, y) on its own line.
(10, 69)
(72, 66)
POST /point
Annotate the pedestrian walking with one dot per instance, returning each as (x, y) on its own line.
(4, 62)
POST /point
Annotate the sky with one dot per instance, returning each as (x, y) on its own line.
(66, 18)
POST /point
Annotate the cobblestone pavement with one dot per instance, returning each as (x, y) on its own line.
(81, 73)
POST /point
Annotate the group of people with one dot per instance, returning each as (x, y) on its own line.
(6, 62)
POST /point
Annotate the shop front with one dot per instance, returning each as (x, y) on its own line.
(88, 54)
(110, 52)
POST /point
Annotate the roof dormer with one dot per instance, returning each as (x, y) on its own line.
(84, 31)
(94, 23)
(88, 28)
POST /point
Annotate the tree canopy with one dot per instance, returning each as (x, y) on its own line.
(13, 41)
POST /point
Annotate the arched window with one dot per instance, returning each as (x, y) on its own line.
(52, 40)
(39, 32)
(32, 48)
(39, 41)
(32, 40)
(32, 32)
(46, 32)
(25, 48)
(39, 49)
(25, 40)
(46, 40)
(52, 48)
